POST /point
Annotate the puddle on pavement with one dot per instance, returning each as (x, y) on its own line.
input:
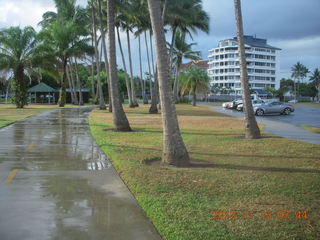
(57, 140)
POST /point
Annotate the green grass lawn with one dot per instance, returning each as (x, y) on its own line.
(9, 113)
(235, 189)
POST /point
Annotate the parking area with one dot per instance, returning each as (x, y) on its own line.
(288, 126)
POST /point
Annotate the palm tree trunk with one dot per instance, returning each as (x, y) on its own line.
(20, 88)
(143, 85)
(106, 63)
(62, 93)
(73, 85)
(120, 120)
(102, 105)
(147, 48)
(175, 85)
(125, 69)
(194, 97)
(78, 82)
(174, 150)
(154, 101)
(174, 30)
(92, 70)
(252, 130)
(70, 86)
(133, 92)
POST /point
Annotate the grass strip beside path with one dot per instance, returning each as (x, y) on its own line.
(311, 128)
(9, 113)
(246, 186)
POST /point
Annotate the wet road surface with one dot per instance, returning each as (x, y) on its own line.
(287, 126)
(55, 183)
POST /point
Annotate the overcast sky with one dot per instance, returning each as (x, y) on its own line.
(292, 25)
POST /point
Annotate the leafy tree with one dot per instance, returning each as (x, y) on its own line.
(17, 47)
(194, 80)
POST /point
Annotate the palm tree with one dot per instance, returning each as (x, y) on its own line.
(64, 35)
(181, 51)
(194, 80)
(174, 150)
(102, 105)
(299, 72)
(187, 16)
(252, 130)
(17, 54)
(120, 120)
(315, 78)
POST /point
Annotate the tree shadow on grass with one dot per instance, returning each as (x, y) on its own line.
(199, 164)
(251, 168)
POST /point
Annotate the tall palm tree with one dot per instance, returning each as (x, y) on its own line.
(315, 78)
(182, 50)
(299, 72)
(102, 105)
(174, 150)
(17, 54)
(120, 120)
(252, 130)
(194, 80)
(104, 48)
(65, 35)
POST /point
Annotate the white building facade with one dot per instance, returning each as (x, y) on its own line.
(262, 64)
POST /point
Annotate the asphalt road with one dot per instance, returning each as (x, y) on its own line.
(287, 126)
(55, 183)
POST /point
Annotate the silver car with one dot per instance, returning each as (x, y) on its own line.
(273, 107)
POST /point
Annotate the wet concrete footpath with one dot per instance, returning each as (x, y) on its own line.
(55, 183)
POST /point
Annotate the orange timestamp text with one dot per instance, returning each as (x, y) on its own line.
(263, 214)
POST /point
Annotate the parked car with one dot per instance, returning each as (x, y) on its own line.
(274, 107)
(225, 104)
(293, 101)
(255, 103)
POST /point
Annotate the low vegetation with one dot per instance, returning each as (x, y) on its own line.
(229, 173)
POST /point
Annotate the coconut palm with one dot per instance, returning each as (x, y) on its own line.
(17, 54)
(187, 16)
(194, 80)
(182, 50)
(315, 78)
(174, 150)
(102, 105)
(120, 120)
(64, 35)
(251, 127)
(299, 72)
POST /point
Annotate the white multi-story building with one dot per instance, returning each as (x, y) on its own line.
(262, 64)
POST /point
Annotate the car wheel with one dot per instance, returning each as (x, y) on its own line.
(287, 111)
(259, 112)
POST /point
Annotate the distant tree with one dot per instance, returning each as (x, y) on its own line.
(299, 72)
(194, 80)
(17, 48)
(315, 79)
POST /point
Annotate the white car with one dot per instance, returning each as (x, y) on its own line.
(294, 101)
(255, 103)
